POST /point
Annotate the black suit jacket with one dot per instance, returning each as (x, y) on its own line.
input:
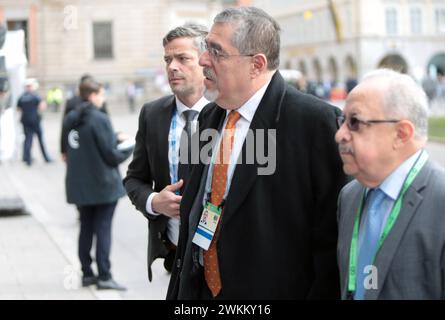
(149, 170)
(278, 234)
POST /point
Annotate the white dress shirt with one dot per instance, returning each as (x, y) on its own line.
(173, 224)
(247, 111)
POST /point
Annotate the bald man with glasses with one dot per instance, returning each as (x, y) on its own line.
(391, 218)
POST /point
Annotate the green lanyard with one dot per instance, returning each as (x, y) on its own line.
(389, 223)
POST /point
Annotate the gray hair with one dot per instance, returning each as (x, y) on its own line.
(403, 98)
(189, 30)
(254, 32)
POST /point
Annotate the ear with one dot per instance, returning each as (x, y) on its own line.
(259, 64)
(92, 96)
(405, 132)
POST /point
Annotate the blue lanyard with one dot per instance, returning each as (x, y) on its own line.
(172, 142)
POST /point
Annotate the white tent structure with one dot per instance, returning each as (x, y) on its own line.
(14, 53)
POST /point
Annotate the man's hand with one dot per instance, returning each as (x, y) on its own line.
(120, 136)
(167, 202)
(42, 106)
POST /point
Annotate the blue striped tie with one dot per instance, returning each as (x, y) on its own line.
(372, 227)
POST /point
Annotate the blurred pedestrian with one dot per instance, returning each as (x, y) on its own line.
(71, 105)
(301, 84)
(350, 84)
(93, 181)
(155, 179)
(429, 85)
(76, 99)
(31, 106)
(131, 96)
(338, 92)
(54, 98)
(440, 84)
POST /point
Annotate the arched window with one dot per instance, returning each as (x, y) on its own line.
(317, 70)
(333, 70)
(351, 67)
(303, 68)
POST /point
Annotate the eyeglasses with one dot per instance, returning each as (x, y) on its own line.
(354, 123)
(217, 54)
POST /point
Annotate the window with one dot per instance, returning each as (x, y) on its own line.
(103, 40)
(391, 21)
(440, 20)
(416, 20)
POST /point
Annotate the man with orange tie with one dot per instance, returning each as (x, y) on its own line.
(256, 226)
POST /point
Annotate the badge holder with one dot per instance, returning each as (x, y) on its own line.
(207, 226)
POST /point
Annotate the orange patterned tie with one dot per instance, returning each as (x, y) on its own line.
(219, 181)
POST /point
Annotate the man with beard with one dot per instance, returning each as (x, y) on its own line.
(155, 177)
(247, 232)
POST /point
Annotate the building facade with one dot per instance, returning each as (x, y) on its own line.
(118, 42)
(340, 39)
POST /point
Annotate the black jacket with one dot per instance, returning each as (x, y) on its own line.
(28, 103)
(92, 175)
(279, 232)
(71, 104)
(149, 170)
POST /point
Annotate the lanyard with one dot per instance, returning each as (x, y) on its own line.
(389, 223)
(173, 157)
(208, 186)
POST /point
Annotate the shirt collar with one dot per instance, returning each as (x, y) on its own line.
(198, 106)
(247, 110)
(392, 185)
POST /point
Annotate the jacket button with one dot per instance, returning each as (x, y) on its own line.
(159, 235)
(178, 263)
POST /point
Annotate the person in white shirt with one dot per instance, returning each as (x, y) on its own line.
(391, 216)
(261, 225)
(155, 178)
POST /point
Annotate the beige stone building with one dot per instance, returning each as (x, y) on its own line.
(120, 41)
(331, 40)
(116, 41)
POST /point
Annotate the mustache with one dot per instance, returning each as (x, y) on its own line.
(208, 73)
(176, 75)
(344, 149)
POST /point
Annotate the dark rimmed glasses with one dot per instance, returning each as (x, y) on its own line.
(217, 54)
(354, 123)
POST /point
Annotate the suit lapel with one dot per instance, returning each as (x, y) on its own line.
(165, 117)
(410, 203)
(347, 229)
(265, 117)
